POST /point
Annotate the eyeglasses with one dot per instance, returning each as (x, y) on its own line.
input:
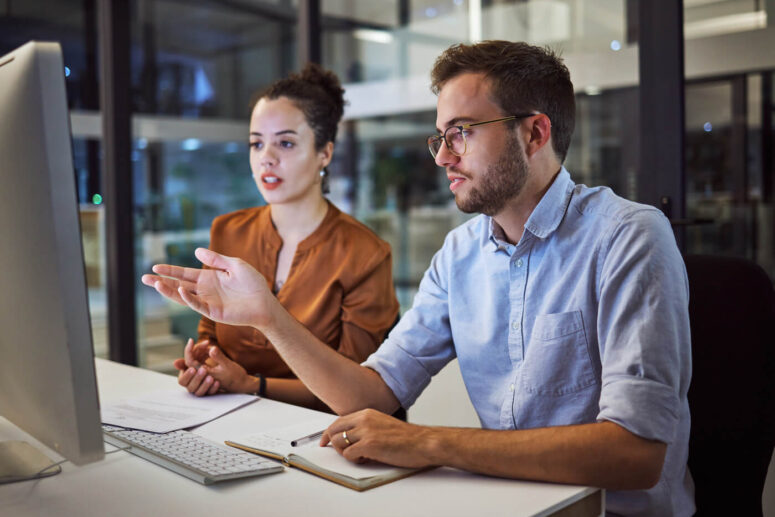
(455, 136)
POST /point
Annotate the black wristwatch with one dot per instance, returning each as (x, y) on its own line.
(261, 384)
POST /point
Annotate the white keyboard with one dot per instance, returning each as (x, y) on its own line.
(191, 455)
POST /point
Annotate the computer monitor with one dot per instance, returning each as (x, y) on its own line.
(47, 379)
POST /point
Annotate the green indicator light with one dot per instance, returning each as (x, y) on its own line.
(96, 199)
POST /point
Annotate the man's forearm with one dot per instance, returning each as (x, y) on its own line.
(342, 384)
(603, 454)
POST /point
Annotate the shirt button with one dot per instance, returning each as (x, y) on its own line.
(520, 263)
(515, 325)
(511, 387)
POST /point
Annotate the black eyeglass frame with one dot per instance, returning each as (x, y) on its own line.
(433, 140)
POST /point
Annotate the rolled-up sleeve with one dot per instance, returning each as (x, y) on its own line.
(421, 344)
(643, 328)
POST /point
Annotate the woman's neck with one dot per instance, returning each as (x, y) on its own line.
(296, 221)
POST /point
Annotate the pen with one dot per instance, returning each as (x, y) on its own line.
(305, 439)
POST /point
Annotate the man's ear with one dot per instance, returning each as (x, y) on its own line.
(540, 134)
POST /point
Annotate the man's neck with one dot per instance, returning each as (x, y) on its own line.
(514, 216)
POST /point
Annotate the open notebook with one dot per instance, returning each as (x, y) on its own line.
(321, 461)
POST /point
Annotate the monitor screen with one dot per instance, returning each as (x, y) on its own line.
(47, 379)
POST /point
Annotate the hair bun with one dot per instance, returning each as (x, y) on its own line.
(327, 80)
(318, 93)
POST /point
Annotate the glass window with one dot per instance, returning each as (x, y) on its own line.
(194, 71)
(207, 59)
(392, 183)
(729, 203)
(72, 23)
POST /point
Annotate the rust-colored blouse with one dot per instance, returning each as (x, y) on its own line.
(340, 286)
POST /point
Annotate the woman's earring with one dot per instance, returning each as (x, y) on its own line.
(323, 173)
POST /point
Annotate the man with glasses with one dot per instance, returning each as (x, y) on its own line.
(566, 307)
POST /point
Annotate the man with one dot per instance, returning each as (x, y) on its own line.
(566, 306)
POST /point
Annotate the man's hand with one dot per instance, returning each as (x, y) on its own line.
(373, 435)
(231, 291)
(193, 375)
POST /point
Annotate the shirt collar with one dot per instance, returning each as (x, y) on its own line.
(550, 211)
(546, 216)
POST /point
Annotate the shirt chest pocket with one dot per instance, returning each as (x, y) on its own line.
(557, 360)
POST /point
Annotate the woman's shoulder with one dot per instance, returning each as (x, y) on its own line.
(356, 236)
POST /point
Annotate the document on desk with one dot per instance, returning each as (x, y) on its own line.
(321, 461)
(170, 410)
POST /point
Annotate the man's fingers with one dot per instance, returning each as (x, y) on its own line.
(355, 453)
(213, 259)
(172, 283)
(186, 274)
(169, 289)
(339, 429)
(150, 280)
(193, 301)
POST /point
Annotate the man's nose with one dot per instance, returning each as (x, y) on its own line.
(445, 157)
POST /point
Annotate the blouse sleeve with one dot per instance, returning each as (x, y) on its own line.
(369, 309)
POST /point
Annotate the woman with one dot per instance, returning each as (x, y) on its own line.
(328, 270)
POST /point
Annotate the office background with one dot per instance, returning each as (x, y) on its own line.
(159, 94)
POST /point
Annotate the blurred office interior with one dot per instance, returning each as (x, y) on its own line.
(192, 67)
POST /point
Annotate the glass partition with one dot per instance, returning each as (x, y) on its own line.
(392, 182)
(195, 67)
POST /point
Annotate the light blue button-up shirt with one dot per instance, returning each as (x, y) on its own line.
(584, 320)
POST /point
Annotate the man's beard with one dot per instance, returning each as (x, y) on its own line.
(501, 182)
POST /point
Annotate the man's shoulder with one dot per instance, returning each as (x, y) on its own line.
(470, 233)
(622, 228)
(603, 206)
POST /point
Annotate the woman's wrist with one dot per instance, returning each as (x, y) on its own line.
(248, 384)
(253, 384)
(261, 391)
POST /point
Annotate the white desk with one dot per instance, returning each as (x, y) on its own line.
(124, 485)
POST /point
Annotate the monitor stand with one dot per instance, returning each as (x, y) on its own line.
(20, 461)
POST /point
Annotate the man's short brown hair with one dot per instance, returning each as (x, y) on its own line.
(524, 78)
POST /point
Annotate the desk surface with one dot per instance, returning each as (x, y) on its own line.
(125, 485)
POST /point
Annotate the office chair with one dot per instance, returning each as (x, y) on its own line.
(731, 397)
